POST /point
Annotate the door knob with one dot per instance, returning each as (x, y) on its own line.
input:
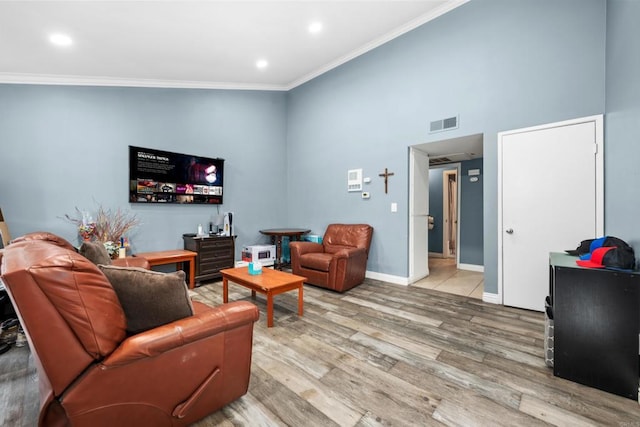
(509, 230)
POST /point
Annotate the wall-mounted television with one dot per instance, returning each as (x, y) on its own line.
(157, 176)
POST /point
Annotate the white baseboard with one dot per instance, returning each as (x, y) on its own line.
(387, 278)
(471, 267)
(491, 298)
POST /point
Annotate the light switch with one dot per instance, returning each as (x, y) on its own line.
(394, 207)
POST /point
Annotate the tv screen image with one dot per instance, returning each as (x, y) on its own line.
(157, 176)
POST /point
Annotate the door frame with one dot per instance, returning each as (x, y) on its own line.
(453, 168)
(599, 153)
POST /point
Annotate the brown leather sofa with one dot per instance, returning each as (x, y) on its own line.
(92, 374)
(339, 262)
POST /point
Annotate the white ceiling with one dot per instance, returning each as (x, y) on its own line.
(200, 44)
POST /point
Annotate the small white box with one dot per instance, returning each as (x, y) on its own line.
(266, 254)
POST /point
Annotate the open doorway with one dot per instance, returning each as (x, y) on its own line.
(461, 156)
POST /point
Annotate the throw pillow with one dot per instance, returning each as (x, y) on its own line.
(149, 298)
(95, 252)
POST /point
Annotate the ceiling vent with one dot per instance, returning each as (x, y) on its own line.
(444, 124)
(450, 158)
(439, 160)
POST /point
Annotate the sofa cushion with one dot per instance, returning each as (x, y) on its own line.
(95, 252)
(316, 261)
(149, 298)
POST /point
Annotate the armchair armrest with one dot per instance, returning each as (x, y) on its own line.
(302, 248)
(350, 253)
(206, 322)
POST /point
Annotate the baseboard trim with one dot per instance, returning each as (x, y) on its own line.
(435, 255)
(387, 278)
(491, 298)
(471, 267)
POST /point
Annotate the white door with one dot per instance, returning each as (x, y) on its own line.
(550, 199)
(418, 214)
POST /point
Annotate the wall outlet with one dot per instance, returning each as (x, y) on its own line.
(394, 207)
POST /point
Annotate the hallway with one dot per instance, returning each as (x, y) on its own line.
(444, 277)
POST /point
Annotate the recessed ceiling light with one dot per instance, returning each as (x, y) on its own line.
(315, 27)
(60, 39)
(262, 64)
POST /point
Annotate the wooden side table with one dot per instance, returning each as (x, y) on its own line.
(277, 234)
(177, 256)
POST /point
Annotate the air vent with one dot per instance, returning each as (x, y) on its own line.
(439, 160)
(444, 124)
(450, 158)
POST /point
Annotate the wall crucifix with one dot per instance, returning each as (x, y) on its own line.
(386, 176)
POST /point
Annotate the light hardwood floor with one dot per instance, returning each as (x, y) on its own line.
(383, 355)
(445, 277)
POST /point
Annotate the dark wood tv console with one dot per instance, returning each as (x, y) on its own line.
(215, 253)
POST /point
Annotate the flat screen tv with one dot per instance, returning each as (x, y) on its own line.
(157, 176)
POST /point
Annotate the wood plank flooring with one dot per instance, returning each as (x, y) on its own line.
(383, 355)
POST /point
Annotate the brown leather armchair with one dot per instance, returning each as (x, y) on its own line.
(339, 262)
(92, 374)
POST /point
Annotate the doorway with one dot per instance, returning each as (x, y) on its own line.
(444, 153)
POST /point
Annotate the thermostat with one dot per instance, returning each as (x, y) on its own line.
(354, 180)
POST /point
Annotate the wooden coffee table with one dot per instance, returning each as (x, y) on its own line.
(270, 282)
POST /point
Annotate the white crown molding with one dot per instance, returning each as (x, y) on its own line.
(415, 23)
(45, 79)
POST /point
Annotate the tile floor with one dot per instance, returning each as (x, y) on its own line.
(443, 276)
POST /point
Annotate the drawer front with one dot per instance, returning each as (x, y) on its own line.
(211, 254)
(212, 244)
(216, 265)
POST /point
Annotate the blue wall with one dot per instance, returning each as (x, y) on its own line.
(66, 146)
(499, 64)
(622, 122)
(471, 215)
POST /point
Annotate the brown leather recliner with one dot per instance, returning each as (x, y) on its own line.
(92, 374)
(339, 262)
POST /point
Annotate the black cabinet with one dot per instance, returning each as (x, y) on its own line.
(215, 253)
(596, 326)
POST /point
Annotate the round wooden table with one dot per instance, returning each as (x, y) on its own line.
(277, 234)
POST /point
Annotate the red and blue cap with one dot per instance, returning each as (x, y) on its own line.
(612, 257)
